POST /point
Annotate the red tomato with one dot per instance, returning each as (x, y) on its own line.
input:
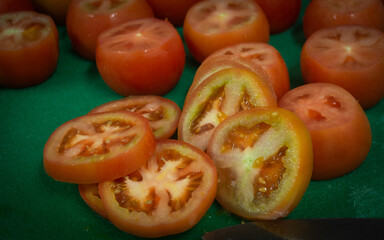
(167, 196)
(349, 56)
(87, 19)
(264, 162)
(57, 9)
(281, 14)
(326, 13)
(13, 6)
(163, 114)
(90, 194)
(340, 130)
(98, 147)
(267, 57)
(223, 94)
(173, 10)
(29, 48)
(211, 25)
(153, 58)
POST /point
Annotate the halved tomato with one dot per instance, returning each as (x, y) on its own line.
(340, 130)
(223, 94)
(167, 196)
(264, 162)
(211, 25)
(98, 147)
(163, 114)
(90, 194)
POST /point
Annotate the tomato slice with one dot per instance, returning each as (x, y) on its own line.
(264, 162)
(167, 196)
(267, 57)
(340, 130)
(221, 95)
(90, 194)
(349, 56)
(211, 25)
(163, 114)
(29, 48)
(98, 147)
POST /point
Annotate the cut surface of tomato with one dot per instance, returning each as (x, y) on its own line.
(264, 162)
(90, 194)
(169, 195)
(98, 147)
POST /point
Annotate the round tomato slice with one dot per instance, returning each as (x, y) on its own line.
(211, 25)
(90, 194)
(264, 162)
(163, 114)
(221, 95)
(87, 19)
(29, 48)
(98, 147)
(167, 196)
(267, 57)
(141, 57)
(349, 56)
(340, 130)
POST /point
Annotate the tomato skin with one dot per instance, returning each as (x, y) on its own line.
(343, 144)
(27, 63)
(13, 6)
(57, 9)
(90, 194)
(363, 80)
(85, 24)
(201, 43)
(281, 14)
(326, 13)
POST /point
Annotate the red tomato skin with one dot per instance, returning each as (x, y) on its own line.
(20, 68)
(281, 14)
(15, 5)
(57, 9)
(84, 27)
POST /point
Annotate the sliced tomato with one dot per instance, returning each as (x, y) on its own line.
(90, 194)
(223, 94)
(340, 130)
(29, 48)
(87, 19)
(264, 162)
(141, 57)
(167, 196)
(211, 25)
(98, 147)
(349, 56)
(7, 6)
(163, 114)
(267, 57)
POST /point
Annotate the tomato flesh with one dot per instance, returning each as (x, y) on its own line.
(90, 194)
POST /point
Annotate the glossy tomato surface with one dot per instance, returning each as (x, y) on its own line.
(169, 195)
(281, 14)
(57, 9)
(327, 13)
(340, 130)
(87, 19)
(98, 147)
(163, 114)
(90, 194)
(211, 25)
(349, 56)
(267, 57)
(141, 57)
(29, 48)
(264, 162)
(13, 6)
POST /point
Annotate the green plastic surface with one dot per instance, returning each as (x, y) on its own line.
(34, 206)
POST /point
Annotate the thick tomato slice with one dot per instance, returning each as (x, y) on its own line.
(163, 114)
(211, 25)
(87, 19)
(29, 48)
(13, 6)
(57, 9)
(327, 13)
(167, 196)
(340, 130)
(267, 57)
(90, 194)
(349, 56)
(264, 162)
(141, 57)
(98, 147)
(223, 94)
